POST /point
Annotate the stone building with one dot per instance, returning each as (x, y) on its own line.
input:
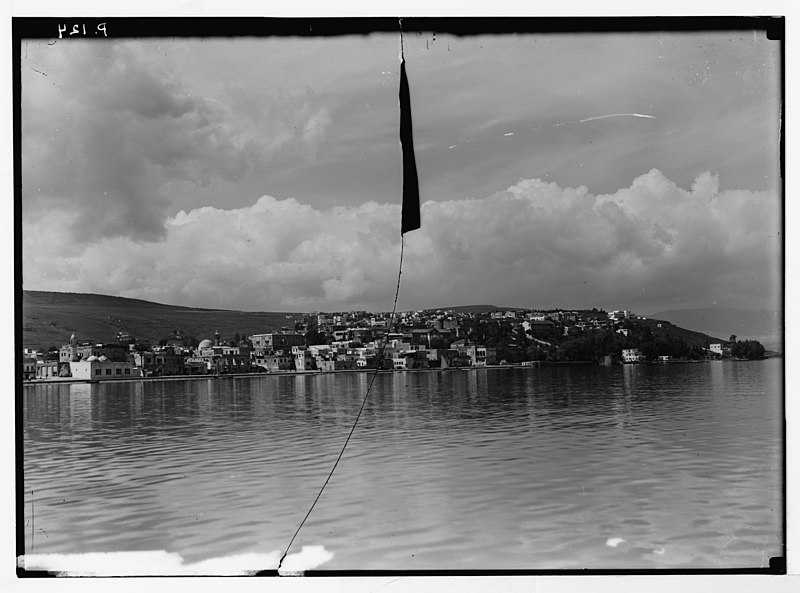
(100, 367)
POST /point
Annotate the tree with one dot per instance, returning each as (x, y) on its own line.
(732, 339)
(750, 349)
(439, 342)
(312, 337)
(695, 353)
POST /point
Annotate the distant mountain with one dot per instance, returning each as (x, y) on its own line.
(763, 325)
(49, 318)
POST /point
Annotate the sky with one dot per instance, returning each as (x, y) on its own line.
(636, 170)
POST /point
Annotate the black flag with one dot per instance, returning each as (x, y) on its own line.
(410, 217)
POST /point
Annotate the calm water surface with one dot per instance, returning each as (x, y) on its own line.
(651, 466)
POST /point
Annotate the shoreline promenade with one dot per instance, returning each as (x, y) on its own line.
(59, 380)
(537, 364)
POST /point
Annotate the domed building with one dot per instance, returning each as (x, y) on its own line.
(219, 358)
(97, 368)
(75, 352)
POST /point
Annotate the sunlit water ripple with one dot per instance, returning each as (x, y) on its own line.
(671, 466)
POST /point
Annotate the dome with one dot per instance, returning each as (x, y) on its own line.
(206, 344)
(92, 358)
(102, 358)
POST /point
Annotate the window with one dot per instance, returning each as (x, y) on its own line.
(119, 371)
(127, 371)
(97, 371)
(108, 371)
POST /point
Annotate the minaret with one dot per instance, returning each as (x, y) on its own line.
(73, 346)
(216, 338)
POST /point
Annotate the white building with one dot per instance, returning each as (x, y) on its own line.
(303, 361)
(715, 349)
(96, 368)
(632, 355)
(410, 360)
(319, 350)
(277, 341)
(618, 315)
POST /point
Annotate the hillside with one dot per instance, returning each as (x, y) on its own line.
(475, 309)
(662, 328)
(49, 318)
(765, 326)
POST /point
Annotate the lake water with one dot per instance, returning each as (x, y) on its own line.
(645, 466)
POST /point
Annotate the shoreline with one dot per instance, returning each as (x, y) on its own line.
(69, 380)
(210, 377)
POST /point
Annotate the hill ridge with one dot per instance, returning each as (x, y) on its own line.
(45, 294)
(49, 318)
(726, 319)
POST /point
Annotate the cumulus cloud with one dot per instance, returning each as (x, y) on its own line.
(536, 244)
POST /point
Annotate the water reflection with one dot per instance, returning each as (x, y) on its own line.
(533, 468)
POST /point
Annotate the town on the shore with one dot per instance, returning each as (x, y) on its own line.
(362, 340)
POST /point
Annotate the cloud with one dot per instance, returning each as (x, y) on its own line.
(117, 146)
(598, 117)
(536, 244)
(314, 131)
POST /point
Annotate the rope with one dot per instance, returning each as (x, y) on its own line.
(402, 57)
(361, 409)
